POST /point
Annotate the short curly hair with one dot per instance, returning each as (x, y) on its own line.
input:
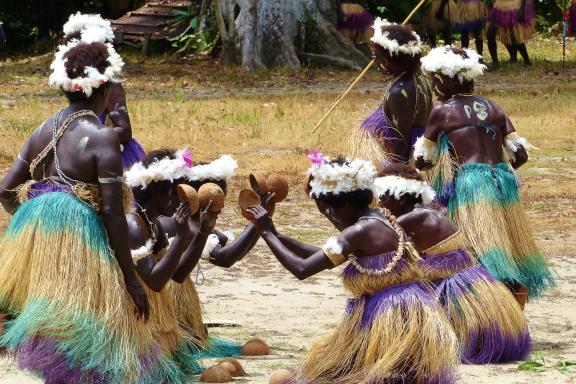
(81, 56)
(142, 195)
(403, 34)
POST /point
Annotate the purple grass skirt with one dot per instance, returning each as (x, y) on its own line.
(49, 185)
(132, 152)
(508, 18)
(490, 344)
(355, 22)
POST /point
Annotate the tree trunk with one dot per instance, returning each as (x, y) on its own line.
(272, 33)
(224, 12)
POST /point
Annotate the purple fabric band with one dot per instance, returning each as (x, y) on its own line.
(47, 186)
(454, 261)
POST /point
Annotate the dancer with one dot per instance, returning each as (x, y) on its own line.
(438, 17)
(470, 16)
(93, 28)
(220, 249)
(512, 22)
(354, 22)
(487, 319)
(66, 274)
(464, 143)
(391, 130)
(392, 330)
(157, 258)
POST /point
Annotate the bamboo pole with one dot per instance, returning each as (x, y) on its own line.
(362, 74)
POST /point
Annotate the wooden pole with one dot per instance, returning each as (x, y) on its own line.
(362, 74)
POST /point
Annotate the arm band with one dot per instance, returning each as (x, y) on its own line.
(333, 251)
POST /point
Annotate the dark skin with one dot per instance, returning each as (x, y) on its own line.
(475, 126)
(365, 238)
(225, 255)
(400, 104)
(426, 227)
(186, 247)
(118, 112)
(88, 152)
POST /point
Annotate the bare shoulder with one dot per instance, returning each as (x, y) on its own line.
(136, 232)
(369, 237)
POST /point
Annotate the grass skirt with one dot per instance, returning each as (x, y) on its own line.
(357, 23)
(430, 24)
(132, 152)
(73, 319)
(487, 208)
(487, 319)
(396, 334)
(469, 15)
(189, 317)
(505, 16)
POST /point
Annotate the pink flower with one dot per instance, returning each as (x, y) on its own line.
(187, 157)
(316, 157)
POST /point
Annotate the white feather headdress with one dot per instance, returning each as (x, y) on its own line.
(398, 186)
(223, 168)
(352, 175)
(92, 28)
(443, 60)
(93, 77)
(412, 48)
(161, 170)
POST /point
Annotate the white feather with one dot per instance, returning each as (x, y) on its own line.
(443, 61)
(412, 48)
(397, 187)
(354, 175)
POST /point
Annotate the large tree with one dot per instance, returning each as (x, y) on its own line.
(259, 34)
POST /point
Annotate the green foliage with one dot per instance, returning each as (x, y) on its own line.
(539, 364)
(191, 39)
(27, 21)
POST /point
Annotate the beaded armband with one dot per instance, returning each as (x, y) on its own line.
(427, 149)
(333, 251)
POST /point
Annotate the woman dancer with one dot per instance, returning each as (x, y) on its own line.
(156, 257)
(93, 28)
(464, 148)
(66, 274)
(438, 17)
(220, 249)
(512, 22)
(487, 319)
(354, 22)
(393, 330)
(391, 130)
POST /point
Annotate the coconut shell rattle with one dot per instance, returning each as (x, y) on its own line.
(187, 194)
(272, 184)
(247, 199)
(211, 192)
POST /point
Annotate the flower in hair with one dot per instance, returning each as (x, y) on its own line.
(187, 157)
(316, 157)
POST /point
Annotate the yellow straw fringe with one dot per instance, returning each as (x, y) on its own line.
(189, 312)
(467, 12)
(395, 344)
(430, 23)
(365, 146)
(30, 270)
(363, 284)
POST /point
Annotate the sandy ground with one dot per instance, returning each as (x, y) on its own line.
(265, 301)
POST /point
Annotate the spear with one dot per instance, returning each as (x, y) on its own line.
(363, 73)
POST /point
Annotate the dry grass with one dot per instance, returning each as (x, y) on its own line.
(269, 129)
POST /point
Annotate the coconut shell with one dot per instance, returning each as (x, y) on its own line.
(255, 347)
(233, 366)
(188, 194)
(258, 184)
(247, 199)
(215, 374)
(211, 192)
(282, 376)
(279, 186)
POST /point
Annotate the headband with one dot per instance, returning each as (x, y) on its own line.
(443, 60)
(412, 48)
(398, 186)
(327, 177)
(165, 169)
(92, 28)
